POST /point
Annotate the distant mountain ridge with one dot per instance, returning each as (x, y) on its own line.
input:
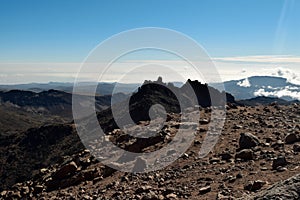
(52, 102)
(58, 99)
(102, 87)
(262, 100)
(242, 89)
(254, 86)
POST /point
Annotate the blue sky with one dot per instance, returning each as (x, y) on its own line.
(57, 31)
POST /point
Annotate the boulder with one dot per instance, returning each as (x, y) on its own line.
(245, 154)
(255, 185)
(279, 162)
(248, 140)
(65, 171)
(291, 138)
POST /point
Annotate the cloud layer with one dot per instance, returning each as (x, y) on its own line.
(291, 76)
(282, 59)
(282, 92)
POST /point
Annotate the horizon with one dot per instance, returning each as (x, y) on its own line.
(48, 41)
(68, 82)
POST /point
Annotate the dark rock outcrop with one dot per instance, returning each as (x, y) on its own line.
(166, 95)
(247, 141)
(284, 190)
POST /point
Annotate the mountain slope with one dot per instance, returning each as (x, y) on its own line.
(14, 119)
(51, 170)
(21, 154)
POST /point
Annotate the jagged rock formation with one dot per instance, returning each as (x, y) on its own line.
(167, 95)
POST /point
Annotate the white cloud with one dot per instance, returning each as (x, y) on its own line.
(282, 59)
(291, 76)
(284, 92)
(236, 68)
(244, 83)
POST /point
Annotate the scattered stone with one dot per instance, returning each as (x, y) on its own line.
(66, 170)
(203, 121)
(172, 196)
(247, 141)
(264, 169)
(296, 148)
(204, 190)
(214, 160)
(279, 162)
(225, 156)
(282, 169)
(237, 127)
(230, 179)
(239, 175)
(38, 189)
(201, 129)
(197, 142)
(255, 185)
(185, 155)
(220, 196)
(291, 138)
(245, 154)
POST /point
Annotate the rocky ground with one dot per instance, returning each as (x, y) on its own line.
(259, 147)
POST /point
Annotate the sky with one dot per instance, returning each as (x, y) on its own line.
(42, 41)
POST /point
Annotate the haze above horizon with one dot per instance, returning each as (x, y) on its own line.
(42, 41)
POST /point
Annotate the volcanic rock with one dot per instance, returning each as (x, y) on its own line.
(65, 171)
(291, 138)
(296, 148)
(245, 154)
(279, 162)
(255, 185)
(204, 190)
(284, 190)
(248, 140)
